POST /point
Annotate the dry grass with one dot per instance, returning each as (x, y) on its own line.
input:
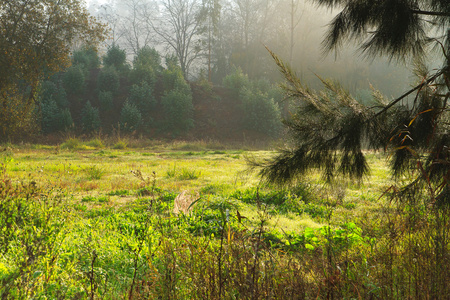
(183, 202)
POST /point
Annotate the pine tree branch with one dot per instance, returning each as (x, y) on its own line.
(430, 13)
(418, 87)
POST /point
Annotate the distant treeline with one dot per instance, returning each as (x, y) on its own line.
(146, 98)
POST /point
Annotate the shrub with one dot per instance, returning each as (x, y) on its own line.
(71, 143)
(130, 117)
(178, 110)
(121, 144)
(96, 143)
(74, 80)
(90, 118)
(108, 80)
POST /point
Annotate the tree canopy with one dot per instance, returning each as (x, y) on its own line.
(36, 38)
(331, 128)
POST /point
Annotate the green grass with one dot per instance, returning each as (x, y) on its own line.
(106, 219)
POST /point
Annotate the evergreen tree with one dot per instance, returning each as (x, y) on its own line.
(108, 80)
(146, 66)
(176, 101)
(87, 58)
(117, 58)
(90, 118)
(331, 128)
(130, 117)
(74, 80)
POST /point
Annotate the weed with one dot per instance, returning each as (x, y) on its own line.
(350, 205)
(121, 144)
(88, 199)
(71, 144)
(96, 143)
(94, 172)
(171, 172)
(103, 199)
(118, 193)
(189, 174)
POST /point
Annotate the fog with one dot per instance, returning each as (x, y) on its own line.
(234, 33)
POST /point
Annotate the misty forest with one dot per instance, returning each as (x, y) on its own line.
(224, 149)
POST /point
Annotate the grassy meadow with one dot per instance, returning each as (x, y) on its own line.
(189, 221)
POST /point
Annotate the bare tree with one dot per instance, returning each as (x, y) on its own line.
(251, 24)
(108, 13)
(134, 26)
(179, 26)
(127, 20)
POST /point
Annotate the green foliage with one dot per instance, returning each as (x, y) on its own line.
(116, 57)
(50, 90)
(130, 117)
(205, 85)
(18, 117)
(94, 172)
(183, 174)
(146, 67)
(71, 143)
(65, 119)
(90, 120)
(35, 43)
(96, 143)
(86, 57)
(176, 101)
(178, 109)
(189, 174)
(121, 144)
(50, 116)
(298, 199)
(118, 193)
(173, 79)
(32, 229)
(108, 80)
(59, 246)
(106, 100)
(55, 116)
(74, 80)
(261, 113)
(260, 109)
(236, 82)
(142, 96)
